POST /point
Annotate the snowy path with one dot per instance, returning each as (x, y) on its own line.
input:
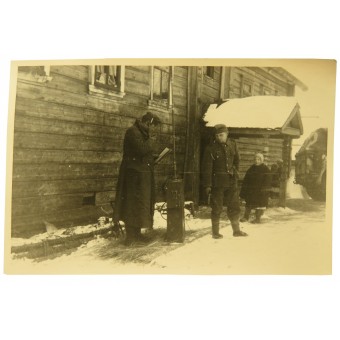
(294, 240)
(287, 242)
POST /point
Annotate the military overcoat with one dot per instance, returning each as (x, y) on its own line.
(135, 196)
(220, 164)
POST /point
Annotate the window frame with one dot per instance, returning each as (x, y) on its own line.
(159, 103)
(267, 91)
(35, 76)
(244, 81)
(104, 89)
(246, 93)
(209, 71)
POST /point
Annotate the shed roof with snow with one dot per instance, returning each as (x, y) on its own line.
(277, 113)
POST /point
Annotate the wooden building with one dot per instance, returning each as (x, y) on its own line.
(70, 121)
(265, 124)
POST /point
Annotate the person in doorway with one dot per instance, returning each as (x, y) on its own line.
(135, 197)
(255, 189)
(219, 178)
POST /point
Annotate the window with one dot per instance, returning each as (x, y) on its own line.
(107, 80)
(89, 199)
(108, 76)
(209, 71)
(261, 89)
(246, 87)
(40, 74)
(161, 91)
(247, 90)
(161, 79)
(264, 91)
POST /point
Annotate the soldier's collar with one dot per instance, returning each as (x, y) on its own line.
(226, 143)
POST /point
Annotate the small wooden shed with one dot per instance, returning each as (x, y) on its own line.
(265, 124)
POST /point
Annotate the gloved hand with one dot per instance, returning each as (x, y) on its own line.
(208, 190)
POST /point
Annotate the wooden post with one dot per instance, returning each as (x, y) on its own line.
(122, 79)
(92, 72)
(151, 82)
(284, 173)
(266, 148)
(227, 82)
(171, 77)
(222, 82)
(241, 86)
(192, 155)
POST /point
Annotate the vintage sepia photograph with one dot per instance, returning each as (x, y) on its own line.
(170, 166)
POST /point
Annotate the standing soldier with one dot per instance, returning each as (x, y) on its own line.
(135, 196)
(219, 177)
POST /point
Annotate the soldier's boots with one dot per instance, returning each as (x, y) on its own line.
(258, 214)
(134, 237)
(236, 228)
(246, 215)
(215, 230)
(239, 233)
(129, 240)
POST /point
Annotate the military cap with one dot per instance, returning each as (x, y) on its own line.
(152, 118)
(219, 128)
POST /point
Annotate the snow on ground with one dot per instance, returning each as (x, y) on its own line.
(103, 222)
(287, 242)
(292, 240)
(57, 233)
(294, 246)
(91, 257)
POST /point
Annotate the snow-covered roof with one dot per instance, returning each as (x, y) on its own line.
(264, 112)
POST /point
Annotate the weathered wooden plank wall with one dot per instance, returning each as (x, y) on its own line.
(258, 79)
(68, 144)
(271, 148)
(210, 91)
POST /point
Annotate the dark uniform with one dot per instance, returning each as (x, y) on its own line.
(255, 190)
(220, 173)
(135, 195)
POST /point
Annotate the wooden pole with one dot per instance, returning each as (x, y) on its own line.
(173, 123)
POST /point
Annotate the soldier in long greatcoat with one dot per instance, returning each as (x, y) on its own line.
(135, 193)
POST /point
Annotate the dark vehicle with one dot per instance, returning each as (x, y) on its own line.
(311, 164)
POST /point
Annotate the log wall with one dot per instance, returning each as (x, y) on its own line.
(261, 83)
(68, 144)
(68, 141)
(271, 148)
